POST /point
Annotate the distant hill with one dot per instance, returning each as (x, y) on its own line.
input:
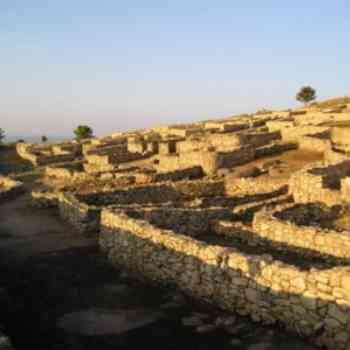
(34, 139)
(332, 102)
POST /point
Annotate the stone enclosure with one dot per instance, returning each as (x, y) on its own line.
(249, 213)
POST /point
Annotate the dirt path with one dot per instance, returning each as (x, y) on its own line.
(58, 292)
(26, 231)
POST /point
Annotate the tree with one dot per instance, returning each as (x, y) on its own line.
(44, 138)
(306, 95)
(83, 132)
(2, 135)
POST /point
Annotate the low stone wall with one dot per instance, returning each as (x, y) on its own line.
(314, 144)
(195, 172)
(45, 199)
(207, 160)
(319, 183)
(85, 218)
(277, 125)
(68, 147)
(307, 240)
(107, 158)
(332, 156)
(194, 222)
(259, 139)
(9, 188)
(232, 158)
(313, 303)
(341, 137)
(252, 186)
(42, 155)
(99, 168)
(274, 149)
(297, 133)
(70, 172)
(155, 193)
(226, 126)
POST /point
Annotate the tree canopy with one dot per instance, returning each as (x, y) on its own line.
(2, 135)
(83, 132)
(306, 94)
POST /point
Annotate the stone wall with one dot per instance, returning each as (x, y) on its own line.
(252, 186)
(9, 188)
(99, 168)
(314, 241)
(235, 157)
(275, 149)
(194, 172)
(331, 156)
(45, 199)
(319, 183)
(297, 133)
(341, 137)
(278, 125)
(69, 172)
(42, 155)
(155, 193)
(194, 222)
(85, 218)
(314, 144)
(313, 303)
(209, 160)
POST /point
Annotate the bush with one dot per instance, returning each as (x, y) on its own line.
(306, 95)
(2, 135)
(83, 132)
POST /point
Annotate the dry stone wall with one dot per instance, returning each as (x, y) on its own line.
(9, 188)
(311, 241)
(85, 218)
(313, 303)
(318, 183)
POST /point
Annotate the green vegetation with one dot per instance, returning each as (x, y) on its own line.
(83, 132)
(306, 95)
(2, 135)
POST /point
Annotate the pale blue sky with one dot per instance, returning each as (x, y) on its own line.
(125, 64)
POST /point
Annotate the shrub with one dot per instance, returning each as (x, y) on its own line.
(83, 132)
(306, 95)
(2, 135)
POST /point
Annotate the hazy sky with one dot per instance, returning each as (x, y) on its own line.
(117, 64)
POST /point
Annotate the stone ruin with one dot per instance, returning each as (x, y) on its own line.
(40, 155)
(248, 213)
(9, 188)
